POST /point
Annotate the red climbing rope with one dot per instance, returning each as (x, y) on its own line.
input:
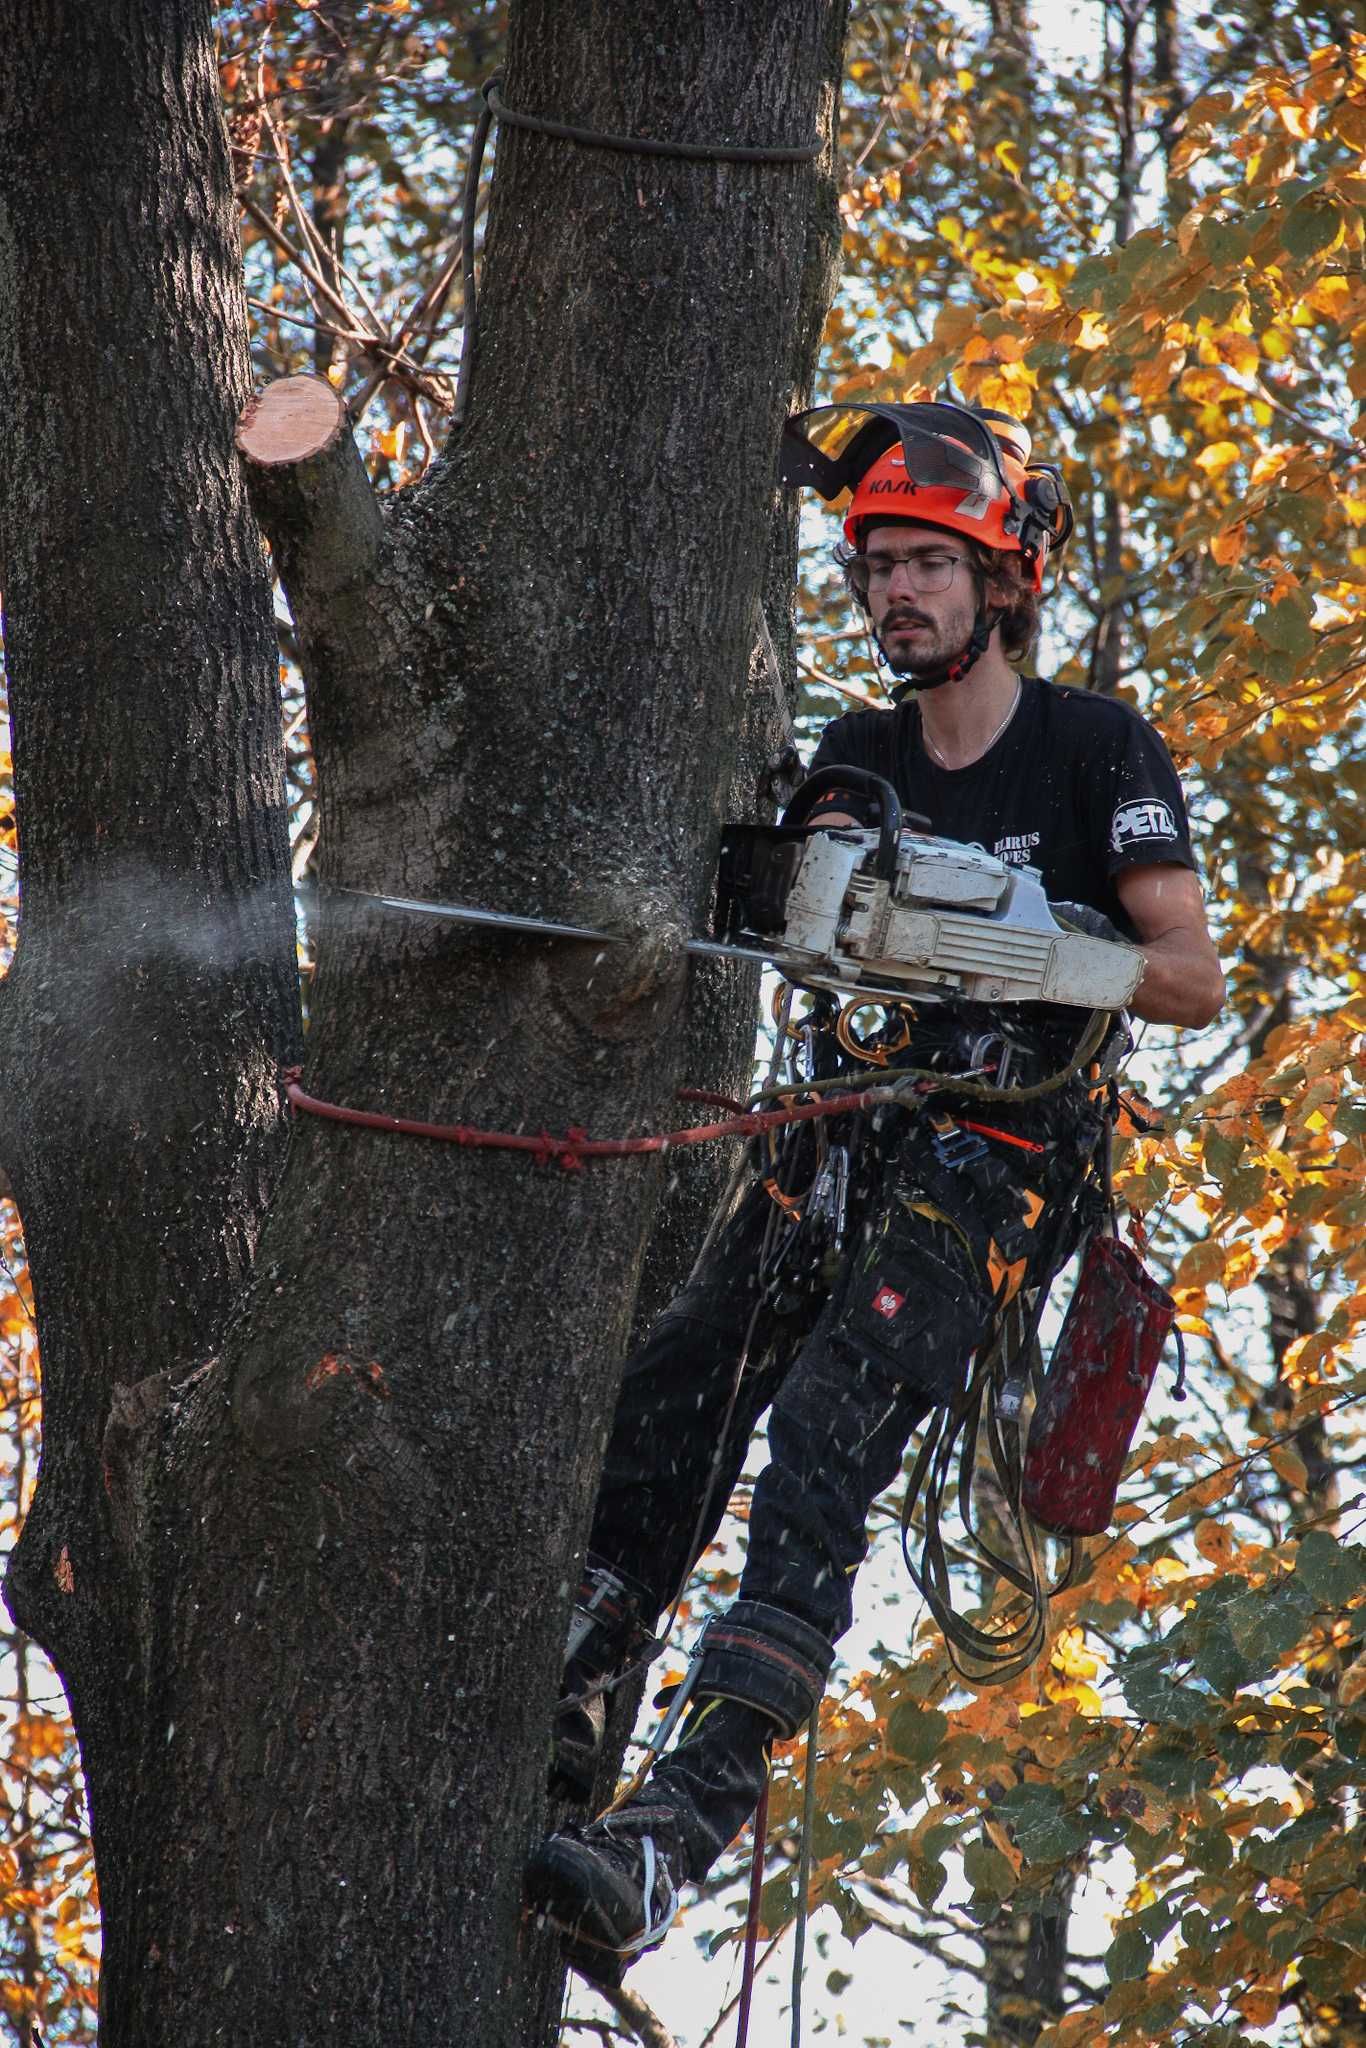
(575, 1146)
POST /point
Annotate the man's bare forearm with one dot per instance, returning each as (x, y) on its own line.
(1182, 982)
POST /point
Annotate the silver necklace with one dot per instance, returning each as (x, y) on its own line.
(925, 734)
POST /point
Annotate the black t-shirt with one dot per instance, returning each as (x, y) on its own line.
(1078, 786)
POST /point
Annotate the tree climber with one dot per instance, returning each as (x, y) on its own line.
(947, 534)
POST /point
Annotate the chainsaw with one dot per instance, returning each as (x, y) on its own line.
(885, 913)
(890, 912)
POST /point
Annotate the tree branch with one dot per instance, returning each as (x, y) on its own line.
(648, 2028)
(309, 491)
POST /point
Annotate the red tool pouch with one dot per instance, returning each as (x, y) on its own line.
(1098, 1380)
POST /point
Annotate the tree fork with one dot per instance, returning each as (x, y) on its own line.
(323, 1689)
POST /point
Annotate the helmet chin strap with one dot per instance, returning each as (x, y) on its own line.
(913, 680)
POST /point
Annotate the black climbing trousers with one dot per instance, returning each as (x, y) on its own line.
(843, 1411)
(837, 1434)
(839, 1426)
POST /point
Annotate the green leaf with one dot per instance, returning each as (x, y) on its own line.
(1087, 280)
(1285, 627)
(1129, 1954)
(1266, 1623)
(1210, 1850)
(1273, 1855)
(987, 1870)
(1350, 1736)
(1153, 1696)
(837, 1836)
(1159, 1918)
(1333, 1969)
(1225, 243)
(1222, 1154)
(1332, 1572)
(853, 1916)
(915, 1732)
(1217, 1658)
(1215, 306)
(927, 1876)
(1043, 1829)
(1309, 227)
(1178, 1772)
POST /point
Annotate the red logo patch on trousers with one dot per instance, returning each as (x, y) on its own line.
(888, 1302)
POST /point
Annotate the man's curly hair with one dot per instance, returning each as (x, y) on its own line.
(1017, 600)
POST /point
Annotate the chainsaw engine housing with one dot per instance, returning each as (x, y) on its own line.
(949, 922)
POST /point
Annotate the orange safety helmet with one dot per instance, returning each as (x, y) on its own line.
(942, 464)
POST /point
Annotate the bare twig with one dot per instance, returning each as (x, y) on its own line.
(604, 2029)
(644, 2022)
(841, 689)
(709, 2038)
(294, 255)
(353, 335)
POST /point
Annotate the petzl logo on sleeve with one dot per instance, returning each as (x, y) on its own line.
(1134, 824)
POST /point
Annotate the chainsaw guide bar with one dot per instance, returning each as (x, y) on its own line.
(948, 922)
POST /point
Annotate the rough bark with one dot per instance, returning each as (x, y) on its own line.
(1026, 1955)
(322, 1554)
(153, 994)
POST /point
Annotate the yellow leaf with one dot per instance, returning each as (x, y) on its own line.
(1228, 544)
(1297, 120)
(1289, 1466)
(1217, 456)
(1349, 120)
(1239, 350)
(1328, 296)
(1214, 1541)
(1071, 1656)
(1203, 1494)
(1088, 331)
(1201, 1264)
(1260, 2006)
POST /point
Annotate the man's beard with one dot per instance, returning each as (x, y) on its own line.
(934, 647)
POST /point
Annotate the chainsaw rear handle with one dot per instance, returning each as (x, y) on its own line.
(888, 802)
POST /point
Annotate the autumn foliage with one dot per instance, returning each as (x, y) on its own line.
(1156, 256)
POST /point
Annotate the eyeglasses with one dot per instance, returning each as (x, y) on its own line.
(926, 572)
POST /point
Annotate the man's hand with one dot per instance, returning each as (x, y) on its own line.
(1182, 982)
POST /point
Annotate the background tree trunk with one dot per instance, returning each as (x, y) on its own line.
(321, 1558)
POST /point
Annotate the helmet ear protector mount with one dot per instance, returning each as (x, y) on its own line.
(935, 462)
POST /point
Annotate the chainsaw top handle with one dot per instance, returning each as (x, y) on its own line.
(888, 802)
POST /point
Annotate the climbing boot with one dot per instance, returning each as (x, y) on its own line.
(610, 1889)
(606, 1636)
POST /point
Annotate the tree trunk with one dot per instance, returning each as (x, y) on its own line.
(322, 1549)
(1025, 1956)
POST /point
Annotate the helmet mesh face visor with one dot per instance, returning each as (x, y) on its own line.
(831, 447)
